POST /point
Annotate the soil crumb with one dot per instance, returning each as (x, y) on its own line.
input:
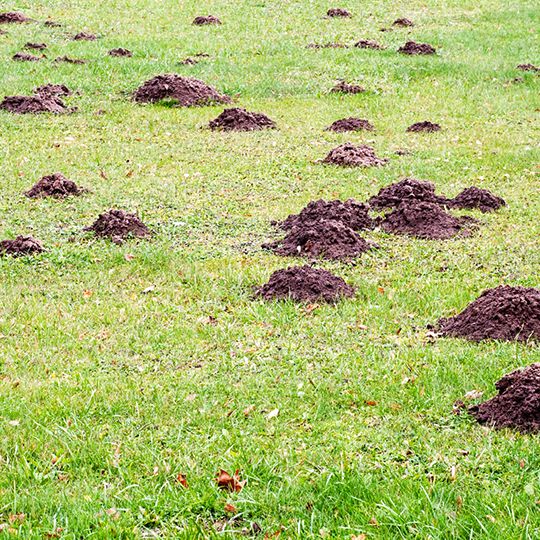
(237, 119)
(517, 405)
(50, 89)
(406, 190)
(195, 59)
(477, 199)
(84, 36)
(327, 46)
(13, 17)
(34, 104)
(35, 46)
(68, 60)
(304, 284)
(338, 12)
(22, 245)
(503, 313)
(343, 87)
(203, 20)
(528, 67)
(119, 225)
(121, 52)
(368, 44)
(349, 155)
(55, 185)
(351, 124)
(185, 91)
(403, 23)
(52, 24)
(425, 127)
(425, 220)
(25, 57)
(412, 47)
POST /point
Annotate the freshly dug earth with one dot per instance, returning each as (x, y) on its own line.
(84, 36)
(425, 126)
(326, 238)
(34, 104)
(503, 313)
(208, 19)
(50, 89)
(368, 44)
(412, 47)
(517, 405)
(13, 17)
(183, 90)
(121, 52)
(406, 190)
(351, 213)
(327, 46)
(338, 12)
(22, 245)
(69, 60)
(477, 198)
(350, 124)
(25, 57)
(55, 185)
(403, 23)
(237, 119)
(304, 284)
(425, 220)
(343, 87)
(52, 24)
(528, 67)
(349, 155)
(119, 225)
(35, 46)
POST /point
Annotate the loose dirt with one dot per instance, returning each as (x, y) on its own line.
(25, 57)
(69, 60)
(203, 20)
(50, 89)
(84, 36)
(121, 52)
(327, 46)
(417, 48)
(528, 67)
(118, 226)
(22, 245)
(403, 23)
(368, 44)
(237, 119)
(476, 198)
(52, 24)
(349, 155)
(34, 104)
(13, 17)
(351, 124)
(425, 127)
(406, 190)
(55, 185)
(338, 12)
(343, 87)
(35, 46)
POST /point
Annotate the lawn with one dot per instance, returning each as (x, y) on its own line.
(125, 366)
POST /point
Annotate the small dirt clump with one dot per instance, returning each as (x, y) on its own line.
(474, 198)
(349, 155)
(304, 284)
(34, 104)
(68, 60)
(350, 124)
(343, 87)
(204, 20)
(119, 225)
(338, 12)
(13, 17)
(185, 91)
(528, 67)
(238, 119)
(25, 57)
(424, 127)
(414, 48)
(406, 190)
(327, 46)
(55, 185)
(403, 23)
(35, 46)
(503, 313)
(517, 405)
(52, 24)
(368, 44)
(120, 51)
(22, 245)
(50, 89)
(84, 36)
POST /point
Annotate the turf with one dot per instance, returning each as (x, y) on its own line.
(124, 366)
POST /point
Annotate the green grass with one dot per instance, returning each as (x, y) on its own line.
(107, 395)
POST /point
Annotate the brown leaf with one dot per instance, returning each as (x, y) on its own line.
(16, 518)
(272, 414)
(370, 403)
(232, 483)
(361, 536)
(55, 534)
(248, 410)
(87, 294)
(230, 508)
(129, 256)
(373, 521)
(181, 479)
(103, 175)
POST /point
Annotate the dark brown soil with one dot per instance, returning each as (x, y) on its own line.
(237, 119)
(84, 36)
(349, 155)
(25, 57)
(50, 89)
(368, 44)
(69, 60)
(325, 238)
(425, 220)
(52, 24)
(35, 46)
(338, 12)
(528, 67)
(327, 46)
(343, 87)
(406, 190)
(517, 405)
(304, 284)
(503, 313)
(34, 104)
(403, 23)
(184, 91)
(351, 213)
(350, 124)
(22, 245)
(121, 52)
(417, 48)
(424, 127)
(13, 17)
(119, 225)
(203, 20)
(475, 198)
(55, 185)
(195, 59)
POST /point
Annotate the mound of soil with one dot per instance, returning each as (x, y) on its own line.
(350, 124)
(349, 155)
(22, 245)
(55, 185)
(368, 44)
(121, 52)
(528, 67)
(50, 89)
(69, 60)
(304, 284)
(34, 104)
(504, 313)
(324, 238)
(84, 36)
(52, 24)
(119, 225)
(338, 12)
(35, 46)
(517, 405)
(425, 220)
(13, 17)
(25, 57)
(403, 23)
(406, 190)
(476, 198)
(425, 127)
(412, 47)
(208, 19)
(343, 87)
(183, 90)
(237, 119)
(327, 46)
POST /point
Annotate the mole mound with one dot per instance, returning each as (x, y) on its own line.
(55, 185)
(119, 225)
(350, 124)
(504, 313)
(528, 67)
(34, 104)
(327, 46)
(69, 60)
(368, 44)
(517, 405)
(349, 155)
(120, 52)
(425, 126)
(425, 220)
(208, 19)
(22, 245)
(406, 190)
(13, 17)
(185, 91)
(25, 57)
(476, 198)
(52, 24)
(351, 213)
(417, 48)
(84, 36)
(35, 46)
(237, 119)
(338, 12)
(324, 238)
(50, 89)
(343, 87)
(304, 284)
(403, 23)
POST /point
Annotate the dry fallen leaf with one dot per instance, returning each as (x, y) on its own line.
(181, 479)
(373, 521)
(248, 410)
(232, 483)
(370, 403)
(129, 256)
(473, 394)
(87, 294)
(230, 508)
(272, 414)
(16, 518)
(361, 536)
